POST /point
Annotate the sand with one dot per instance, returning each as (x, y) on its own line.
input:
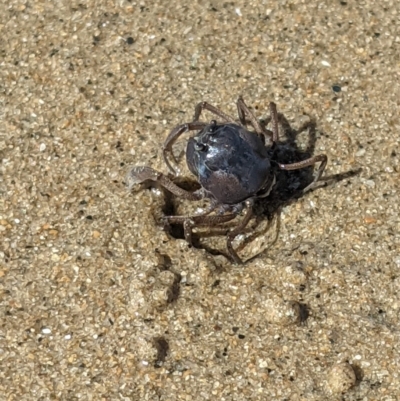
(98, 301)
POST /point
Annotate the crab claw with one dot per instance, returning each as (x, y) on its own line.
(140, 174)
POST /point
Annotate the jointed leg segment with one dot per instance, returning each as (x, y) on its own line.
(201, 220)
(306, 163)
(140, 174)
(238, 230)
(243, 110)
(212, 109)
(174, 135)
(274, 120)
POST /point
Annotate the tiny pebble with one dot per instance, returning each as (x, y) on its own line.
(341, 378)
(42, 147)
(279, 311)
(369, 183)
(46, 330)
(96, 234)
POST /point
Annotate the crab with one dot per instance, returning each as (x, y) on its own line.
(234, 166)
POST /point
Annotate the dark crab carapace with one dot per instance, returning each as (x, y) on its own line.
(233, 165)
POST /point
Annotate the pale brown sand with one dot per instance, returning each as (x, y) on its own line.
(97, 301)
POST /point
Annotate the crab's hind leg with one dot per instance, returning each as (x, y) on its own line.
(212, 109)
(323, 159)
(244, 111)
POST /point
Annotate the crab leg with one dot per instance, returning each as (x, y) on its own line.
(201, 220)
(212, 109)
(140, 174)
(305, 163)
(174, 135)
(240, 227)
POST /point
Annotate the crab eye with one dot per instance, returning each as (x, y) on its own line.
(212, 127)
(200, 147)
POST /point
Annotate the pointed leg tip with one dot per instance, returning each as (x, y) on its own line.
(139, 174)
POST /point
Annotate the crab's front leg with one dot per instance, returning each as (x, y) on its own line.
(140, 174)
(202, 220)
(173, 136)
(238, 230)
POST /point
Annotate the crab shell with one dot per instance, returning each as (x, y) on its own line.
(231, 163)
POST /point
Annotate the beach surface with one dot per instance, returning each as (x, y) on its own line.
(99, 301)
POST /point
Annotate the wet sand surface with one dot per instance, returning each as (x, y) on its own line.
(98, 301)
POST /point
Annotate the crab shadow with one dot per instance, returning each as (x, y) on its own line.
(288, 188)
